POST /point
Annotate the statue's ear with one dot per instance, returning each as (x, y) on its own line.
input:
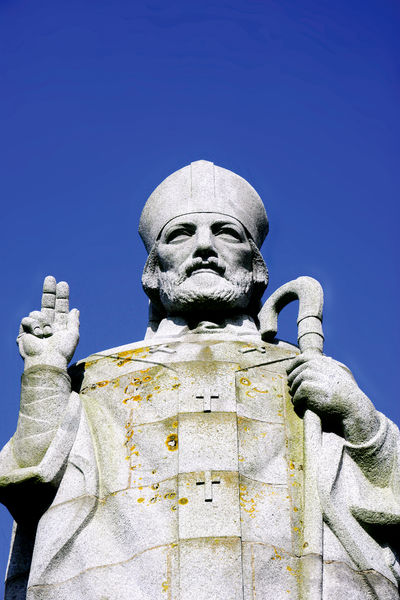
(260, 270)
(260, 280)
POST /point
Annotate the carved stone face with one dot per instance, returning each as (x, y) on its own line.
(205, 262)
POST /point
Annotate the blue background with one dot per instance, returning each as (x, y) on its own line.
(102, 100)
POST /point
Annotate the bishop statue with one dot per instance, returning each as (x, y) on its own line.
(209, 461)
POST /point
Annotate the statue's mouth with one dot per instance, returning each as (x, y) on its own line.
(212, 268)
(212, 271)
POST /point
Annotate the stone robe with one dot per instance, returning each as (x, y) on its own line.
(177, 473)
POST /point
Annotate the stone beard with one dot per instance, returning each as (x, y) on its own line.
(220, 293)
(178, 467)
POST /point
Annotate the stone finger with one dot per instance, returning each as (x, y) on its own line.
(38, 316)
(295, 372)
(296, 362)
(47, 330)
(73, 320)
(49, 298)
(305, 376)
(62, 303)
(300, 398)
(32, 326)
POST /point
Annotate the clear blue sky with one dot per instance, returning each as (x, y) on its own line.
(100, 100)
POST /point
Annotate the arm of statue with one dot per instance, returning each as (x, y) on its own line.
(47, 340)
(328, 388)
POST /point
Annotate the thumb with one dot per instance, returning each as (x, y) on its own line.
(73, 319)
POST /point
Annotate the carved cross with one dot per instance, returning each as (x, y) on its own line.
(207, 397)
(249, 349)
(208, 483)
(162, 348)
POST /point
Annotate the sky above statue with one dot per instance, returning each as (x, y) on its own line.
(101, 101)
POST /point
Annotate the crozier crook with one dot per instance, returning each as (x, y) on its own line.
(310, 338)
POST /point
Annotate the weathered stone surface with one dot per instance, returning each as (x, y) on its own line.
(193, 463)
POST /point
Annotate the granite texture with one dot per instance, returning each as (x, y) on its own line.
(208, 460)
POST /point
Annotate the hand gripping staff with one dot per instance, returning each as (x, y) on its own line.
(311, 339)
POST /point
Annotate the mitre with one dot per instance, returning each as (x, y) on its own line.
(206, 188)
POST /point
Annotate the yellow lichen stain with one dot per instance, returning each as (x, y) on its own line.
(175, 386)
(140, 499)
(249, 504)
(295, 509)
(260, 391)
(244, 381)
(294, 572)
(172, 442)
(124, 357)
(277, 555)
(155, 486)
(175, 424)
(102, 383)
(127, 387)
(154, 471)
(174, 507)
(183, 501)
(136, 398)
(164, 586)
(305, 545)
(291, 465)
(170, 496)
(240, 458)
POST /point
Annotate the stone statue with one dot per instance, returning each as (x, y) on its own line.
(178, 467)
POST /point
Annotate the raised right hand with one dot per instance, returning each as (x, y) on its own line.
(50, 336)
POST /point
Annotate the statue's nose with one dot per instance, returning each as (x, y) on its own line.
(204, 243)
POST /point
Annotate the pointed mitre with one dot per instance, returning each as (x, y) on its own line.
(203, 187)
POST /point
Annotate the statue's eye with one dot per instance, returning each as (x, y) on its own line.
(229, 233)
(180, 234)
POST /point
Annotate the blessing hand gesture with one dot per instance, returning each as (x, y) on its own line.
(50, 336)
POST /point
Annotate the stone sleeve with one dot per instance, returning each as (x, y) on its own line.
(44, 395)
(377, 457)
